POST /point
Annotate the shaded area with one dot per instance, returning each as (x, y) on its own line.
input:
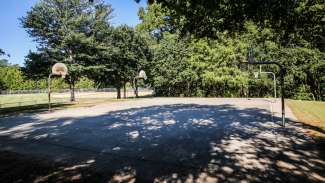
(31, 108)
(180, 142)
(21, 168)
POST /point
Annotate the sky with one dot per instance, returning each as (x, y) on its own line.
(15, 41)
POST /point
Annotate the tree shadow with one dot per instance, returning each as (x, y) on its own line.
(172, 143)
(34, 108)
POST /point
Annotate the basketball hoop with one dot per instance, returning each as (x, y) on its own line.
(256, 74)
(143, 75)
(60, 69)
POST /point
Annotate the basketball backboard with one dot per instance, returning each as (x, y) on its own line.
(60, 69)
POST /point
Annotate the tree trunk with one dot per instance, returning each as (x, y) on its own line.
(72, 96)
(124, 89)
(118, 92)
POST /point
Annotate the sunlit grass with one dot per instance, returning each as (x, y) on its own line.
(311, 113)
(17, 100)
(12, 104)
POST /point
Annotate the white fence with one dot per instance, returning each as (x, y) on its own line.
(13, 92)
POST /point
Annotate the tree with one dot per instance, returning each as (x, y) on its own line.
(170, 71)
(155, 20)
(37, 65)
(293, 20)
(11, 78)
(3, 62)
(66, 31)
(123, 55)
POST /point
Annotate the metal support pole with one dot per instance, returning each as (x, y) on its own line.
(49, 91)
(136, 89)
(282, 73)
(135, 86)
(274, 84)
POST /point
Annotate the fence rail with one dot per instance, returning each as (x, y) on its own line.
(13, 92)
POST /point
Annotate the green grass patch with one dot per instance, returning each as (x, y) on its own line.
(21, 100)
(312, 114)
(30, 103)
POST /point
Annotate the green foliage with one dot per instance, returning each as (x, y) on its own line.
(78, 34)
(187, 48)
(155, 20)
(4, 62)
(68, 32)
(85, 83)
(302, 93)
(215, 67)
(170, 67)
(125, 52)
(11, 78)
(37, 65)
(306, 68)
(294, 21)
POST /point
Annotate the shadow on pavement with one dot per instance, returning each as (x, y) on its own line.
(169, 143)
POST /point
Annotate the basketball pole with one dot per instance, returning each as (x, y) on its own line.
(49, 91)
(282, 73)
(141, 75)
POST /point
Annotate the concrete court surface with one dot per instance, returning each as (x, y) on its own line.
(171, 140)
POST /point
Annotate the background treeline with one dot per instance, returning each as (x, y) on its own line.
(200, 47)
(14, 77)
(187, 48)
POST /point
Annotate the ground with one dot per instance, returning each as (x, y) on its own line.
(162, 140)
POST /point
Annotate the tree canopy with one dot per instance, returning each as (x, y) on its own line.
(291, 19)
(187, 48)
(67, 31)
(217, 35)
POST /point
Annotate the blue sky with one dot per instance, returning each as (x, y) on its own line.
(15, 41)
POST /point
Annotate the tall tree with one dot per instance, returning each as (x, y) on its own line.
(124, 54)
(293, 20)
(37, 65)
(66, 31)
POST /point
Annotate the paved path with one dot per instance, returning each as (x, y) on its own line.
(171, 139)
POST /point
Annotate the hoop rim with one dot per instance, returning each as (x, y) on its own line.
(60, 69)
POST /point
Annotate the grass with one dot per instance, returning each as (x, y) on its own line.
(311, 114)
(19, 100)
(30, 103)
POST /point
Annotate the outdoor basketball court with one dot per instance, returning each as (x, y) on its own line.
(171, 139)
